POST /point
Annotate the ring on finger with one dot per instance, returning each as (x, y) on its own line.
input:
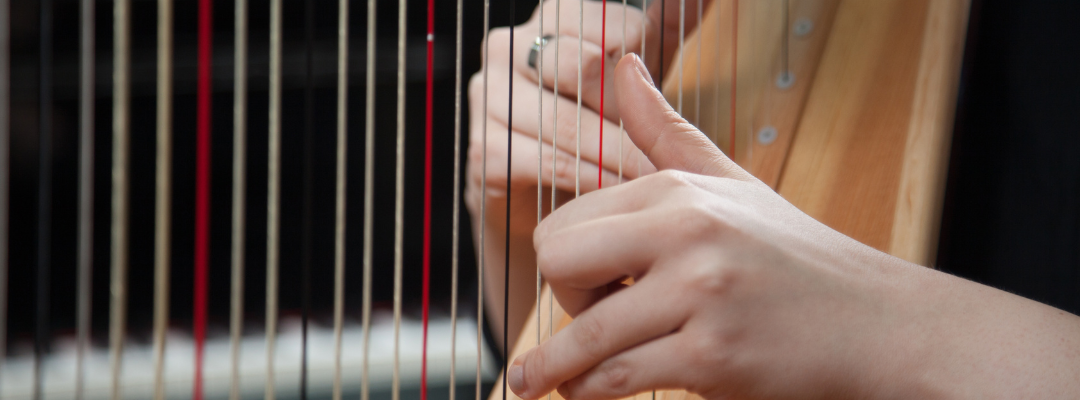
(534, 52)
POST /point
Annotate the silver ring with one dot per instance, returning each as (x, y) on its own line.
(534, 52)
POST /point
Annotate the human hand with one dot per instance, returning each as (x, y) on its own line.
(559, 135)
(488, 131)
(738, 294)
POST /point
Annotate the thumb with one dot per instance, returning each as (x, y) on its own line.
(662, 134)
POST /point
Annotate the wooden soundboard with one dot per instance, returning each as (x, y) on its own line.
(862, 135)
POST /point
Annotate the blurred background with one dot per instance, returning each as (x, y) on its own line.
(1011, 217)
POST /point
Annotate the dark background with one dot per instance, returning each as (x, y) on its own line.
(1011, 217)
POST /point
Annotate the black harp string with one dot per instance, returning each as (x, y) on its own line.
(480, 264)
(236, 312)
(45, 180)
(306, 227)
(506, 245)
(86, 190)
(339, 196)
(5, 142)
(163, 195)
(457, 204)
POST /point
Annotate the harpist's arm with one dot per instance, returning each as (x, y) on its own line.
(738, 294)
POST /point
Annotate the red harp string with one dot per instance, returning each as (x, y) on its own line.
(430, 85)
(202, 188)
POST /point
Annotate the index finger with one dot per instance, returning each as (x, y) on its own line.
(630, 316)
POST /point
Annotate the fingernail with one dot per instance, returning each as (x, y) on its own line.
(641, 69)
(516, 378)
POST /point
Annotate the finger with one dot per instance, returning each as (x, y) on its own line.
(626, 198)
(623, 320)
(662, 134)
(581, 261)
(560, 125)
(592, 60)
(568, 24)
(654, 365)
(525, 164)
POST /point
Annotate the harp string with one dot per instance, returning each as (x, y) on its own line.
(577, 149)
(679, 67)
(621, 128)
(456, 207)
(540, 43)
(734, 72)
(603, 61)
(163, 195)
(273, 227)
(202, 188)
(120, 155)
(428, 105)
(369, 197)
(339, 195)
(5, 142)
(45, 179)
(554, 152)
(236, 294)
(509, 165)
(308, 189)
(399, 198)
(483, 207)
(697, 86)
(86, 188)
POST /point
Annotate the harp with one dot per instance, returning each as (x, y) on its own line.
(844, 107)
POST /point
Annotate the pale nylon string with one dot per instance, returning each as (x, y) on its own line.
(399, 198)
(540, 42)
(121, 145)
(339, 199)
(697, 87)
(483, 209)
(5, 141)
(86, 190)
(577, 149)
(369, 195)
(621, 55)
(236, 300)
(682, 34)
(163, 194)
(457, 206)
(273, 197)
(716, 80)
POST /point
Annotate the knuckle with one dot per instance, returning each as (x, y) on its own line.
(671, 178)
(713, 280)
(615, 378)
(564, 167)
(547, 259)
(589, 336)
